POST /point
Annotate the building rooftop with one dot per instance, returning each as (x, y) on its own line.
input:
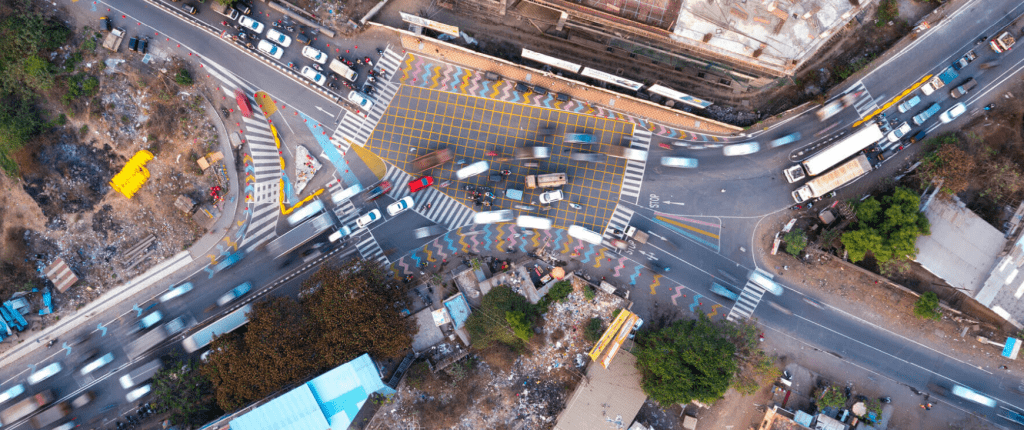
(610, 400)
(1003, 288)
(962, 247)
(329, 401)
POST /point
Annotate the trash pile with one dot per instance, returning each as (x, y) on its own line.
(306, 167)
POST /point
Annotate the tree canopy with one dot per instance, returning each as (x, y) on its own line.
(687, 360)
(888, 228)
(501, 312)
(184, 393)
(351, 312)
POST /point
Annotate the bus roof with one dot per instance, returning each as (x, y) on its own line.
(204, 336)
(839, 151)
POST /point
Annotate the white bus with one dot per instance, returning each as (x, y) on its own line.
(303, 213)
(226, 324)
(835, 154)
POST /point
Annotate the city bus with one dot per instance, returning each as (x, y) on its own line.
(835, 154)
(224, 325)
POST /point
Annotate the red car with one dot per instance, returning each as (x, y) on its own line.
(421, 183)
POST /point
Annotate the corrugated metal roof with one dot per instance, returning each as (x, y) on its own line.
(962, 247)
(611, 399)
(329, 401)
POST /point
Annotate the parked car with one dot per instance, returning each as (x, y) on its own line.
(550, 196)
(303, 39)
(908, 104)
(953, 112)
(368, 218)
(741, 149)
(421, 183)
(190, 8)
(679, 162)
(361, 100)
(235, 293)
(313, 75)
(896, 134)
(270, 48)
(314, 54)
(400, 206)
(250, 24)
(243, 8)
(176, 292)
(279, 38)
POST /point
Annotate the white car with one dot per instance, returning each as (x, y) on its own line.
(399, 206)
(370, 217)
(741, 149)
(97, 363)
(44, 373)
(953, 112)
(176, 292)
(150, 320)
(279, 38)
(899, 132)
(503, 215)
(550, 196)
(137, 393)
(12, 392)
(313, 75)
(314, 54)
(472, 170)
(270, 48)
(251, 24)
(679, 162)
(360, 100)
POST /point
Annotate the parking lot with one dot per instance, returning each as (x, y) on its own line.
(420, 121)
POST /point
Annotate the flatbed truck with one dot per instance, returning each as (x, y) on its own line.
(836, 178)
(939, 81)
(113, 40)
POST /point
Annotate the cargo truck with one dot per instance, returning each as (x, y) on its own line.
(51, 415)
(431, 160)
(838, 177)
(939, 81)
(1003, 42)
(545, 181)
(113, 40)
(225, 10)
(301, 234)
(145, 343)
(25, 407)
(341, 69)
(141, 374)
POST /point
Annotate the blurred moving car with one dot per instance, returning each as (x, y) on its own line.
(176, 292)
(400, 206)
(684, 162)
(235, 293)
(741, 149)
(368, 218)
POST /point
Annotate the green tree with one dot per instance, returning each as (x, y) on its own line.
(19, 122)
(182, 391)
(520, 326)
(888, 229)
(796, 241)
(488, 324)
(831, 397)
(594, 329)
(927, 306)
(183, 78)
(688, 360)
(559, 291)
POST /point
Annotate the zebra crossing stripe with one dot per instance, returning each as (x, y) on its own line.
(228, 77)
(618, 221)
(747, 302)
(633, 177)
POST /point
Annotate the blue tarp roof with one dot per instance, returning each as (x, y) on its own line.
(330, 400)
(458, 308)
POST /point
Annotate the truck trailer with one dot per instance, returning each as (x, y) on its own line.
(25, 407)
(836, 178)
(51, 415)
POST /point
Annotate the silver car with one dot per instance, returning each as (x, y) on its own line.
(97, 363)
(175, 292)
(503, 215)
(741, 149)
(684, 162)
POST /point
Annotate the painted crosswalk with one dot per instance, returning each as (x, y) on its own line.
(370, 249)
(266, 162)
(444, 210)
(262, 225)
(633, 177)
(390, 62)
(747, 302)
(864, 104)
(619, 220)
(355, 128)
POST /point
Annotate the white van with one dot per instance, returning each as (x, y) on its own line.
(536, 222)
(764, 280)
(343, 70)
(503, 215)
(472, 170)
(305, 212)
(585, 235)
(339, 233)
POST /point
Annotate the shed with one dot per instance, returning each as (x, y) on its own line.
(60, 274)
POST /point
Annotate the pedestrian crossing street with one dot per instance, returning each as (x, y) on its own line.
(865, 104)
(390, 62)
(747, 302)
(444, 210)
(619, 220)
(633, 177)
(262, 225)
(265, 159)
(355, 128)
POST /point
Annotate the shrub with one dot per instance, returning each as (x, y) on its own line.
(588, 292)
(594, 329)
(183, 78)
(888, 10)
(560, 291)
(927, 306)
(796, 241)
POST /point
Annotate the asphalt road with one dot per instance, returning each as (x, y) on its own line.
(706, 216)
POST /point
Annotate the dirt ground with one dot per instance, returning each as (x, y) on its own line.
(496, 388)
(62, 204)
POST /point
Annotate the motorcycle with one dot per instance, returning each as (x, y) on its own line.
(575, 205)
(317, 67)
(276, 24)
(225, 23)
(506, 172)
(332, 86)
(990, 106)
(492, 154)
(445, 184)
(380, 51)
(368, 62)
(243, 36)
(371, 79)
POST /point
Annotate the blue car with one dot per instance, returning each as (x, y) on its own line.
(228, 262)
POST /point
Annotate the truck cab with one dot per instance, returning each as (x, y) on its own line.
(1003, 42)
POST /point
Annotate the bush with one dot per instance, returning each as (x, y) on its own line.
(520, 325)
(492, 323)
(588, 292)
(796, 241)
(560, 291)
(594, 329)
(183, 78)
(888, 10)
(927, 306)
(832, 397)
